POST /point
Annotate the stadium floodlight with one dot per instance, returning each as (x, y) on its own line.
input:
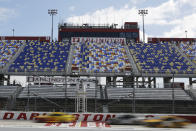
(173, 95)
(143, 13)
(13, 32)
(186, 33)
(52, 12)
(115, 25)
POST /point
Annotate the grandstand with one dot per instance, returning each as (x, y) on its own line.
(103, 59)
(57, 70)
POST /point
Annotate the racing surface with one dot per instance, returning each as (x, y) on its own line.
(13, 125)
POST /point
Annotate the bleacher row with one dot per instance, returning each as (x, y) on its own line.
(94, 57)
(91, 93)
(147, 93)
(7, 91)
(54, 92)
(194, 92)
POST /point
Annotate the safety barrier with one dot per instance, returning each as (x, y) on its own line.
(89, 117)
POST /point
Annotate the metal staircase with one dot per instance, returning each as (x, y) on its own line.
(6, 68)
(131, 60)
(69, 60)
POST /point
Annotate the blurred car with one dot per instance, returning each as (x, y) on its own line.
(166, 121)
(124, 120)
(56, 117)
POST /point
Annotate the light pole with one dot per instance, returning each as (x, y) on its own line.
(133, 104)
(186, 33)
(52, 12)
(143, 13)
(28, 97)
(173, 96)
(13, 32)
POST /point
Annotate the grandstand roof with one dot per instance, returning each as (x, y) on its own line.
(39, 38)
(160, 39)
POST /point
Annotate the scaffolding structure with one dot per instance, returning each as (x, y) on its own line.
(81, 99)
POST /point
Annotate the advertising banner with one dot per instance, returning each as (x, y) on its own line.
(88, 117)
(42, 79)
(97, 39)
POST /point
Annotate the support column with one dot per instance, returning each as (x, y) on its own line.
(108, 81)
(149, 82)
(101, 91)
(1, 79)
(143, 81)
(106, 92)
(114, 81)
(128, 81)
(155, 83)
(137, 85)
(190, 81)
(167, 82)
(8, 80)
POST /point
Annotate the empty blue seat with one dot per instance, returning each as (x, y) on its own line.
(159, 58)
(100, 57)
(7, 50)
(42, 57)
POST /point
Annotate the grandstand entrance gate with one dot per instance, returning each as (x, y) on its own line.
(81, 99)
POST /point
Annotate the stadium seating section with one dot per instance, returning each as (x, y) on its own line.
(7, 91)
(100, 57)
(91, 57)
(189, 49)
(159, 58)
(55, 92)
(7, 50)
(42, 56)
(112, 93)
(193, 91)
(147, 93)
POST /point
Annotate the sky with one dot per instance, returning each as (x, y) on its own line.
(165, 18)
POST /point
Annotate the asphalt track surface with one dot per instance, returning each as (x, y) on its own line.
(11, 125)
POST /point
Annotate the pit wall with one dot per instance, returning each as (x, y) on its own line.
(94, 117)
